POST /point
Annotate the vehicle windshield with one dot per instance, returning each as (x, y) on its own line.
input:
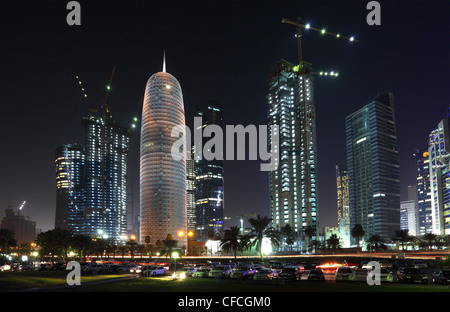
(446, 273)
(345, 270)
(219, 267)
(412, 270)
(289, 270)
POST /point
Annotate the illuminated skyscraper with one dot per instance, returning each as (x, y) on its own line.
(209, 193)
(293, 185)
(162, 177)
(343, 206)
(69, 163)
(373, 168)
(105, 171)
(423, 192)
(439, 156)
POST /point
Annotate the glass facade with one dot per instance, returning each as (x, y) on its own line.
(293, 185)
(105, 170)
(423, 192)
(69, 164)
(91, 182)
(343, 206)
(439, 157)
(373, 168)
(209, 193)
(162, 178)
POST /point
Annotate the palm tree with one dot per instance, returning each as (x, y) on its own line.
(333, 242)
(376, 242)
(81, 243)
(232, 240)
(288, 234)
(49, 243)
(131, 244)
(430, 240)
(7, 240)
(357, 232)
(262, 229)
(402, 236)
(309, 232)
(168, 245)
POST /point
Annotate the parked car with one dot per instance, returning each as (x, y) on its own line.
(291, 272)
(419, 264)
(411, 275)
(243, 271)
(183, 272)
(385, 264)
(150, 270)
(5, 267)
(386, 275)
(442, 277)
(202, 272)
(265, 274)
(344, 274)
(220, 271)
(316, 275)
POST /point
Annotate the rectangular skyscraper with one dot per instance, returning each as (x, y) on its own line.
(373, 168)
(423, 191)
(105, 170)
(293, 187)
(343, 205)
(69, 163)
(439, 156)
(209, 184)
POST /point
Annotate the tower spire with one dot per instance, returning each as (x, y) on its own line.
(164, 62)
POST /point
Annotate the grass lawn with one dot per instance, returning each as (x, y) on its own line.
(12, 281)
(158, 284)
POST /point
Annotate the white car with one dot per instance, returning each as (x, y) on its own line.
(344, 274)
(153, 270)
(185, 272)
(220, 271)
(5, 267)
(243, 271)
(202, 272)
(265, 274)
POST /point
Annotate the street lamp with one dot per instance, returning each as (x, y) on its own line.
(175, 255)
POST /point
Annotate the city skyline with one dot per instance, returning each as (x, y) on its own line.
(206, 63)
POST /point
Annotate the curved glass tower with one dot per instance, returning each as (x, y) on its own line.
(162, 178)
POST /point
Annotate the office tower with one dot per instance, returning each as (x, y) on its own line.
(293, 187)
(105, 184)
(209, 183)
(343, 206)
(423, 192)
(69, 163)
(23, 228)
(190, 193)
(373, 168)
(408, 216)
(162, 176)
(439, 155)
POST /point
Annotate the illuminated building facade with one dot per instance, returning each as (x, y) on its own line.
(105, 178)
(373, 168)
(209, 183)
(343, 206)
(163, 207)
(439, 163)
(293, 187)
(190, 193)
(408, 217)
(423, 192)
(69, 163)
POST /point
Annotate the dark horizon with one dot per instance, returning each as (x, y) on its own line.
(217, 50)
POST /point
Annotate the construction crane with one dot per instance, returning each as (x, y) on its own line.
(105, 110)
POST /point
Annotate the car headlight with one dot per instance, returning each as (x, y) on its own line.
(183, 275)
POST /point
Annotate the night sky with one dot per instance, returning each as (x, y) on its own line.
(216, 50)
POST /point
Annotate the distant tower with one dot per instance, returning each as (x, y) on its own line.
(343, 205)
(162, 178)
(209, 192)
(373, 168)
